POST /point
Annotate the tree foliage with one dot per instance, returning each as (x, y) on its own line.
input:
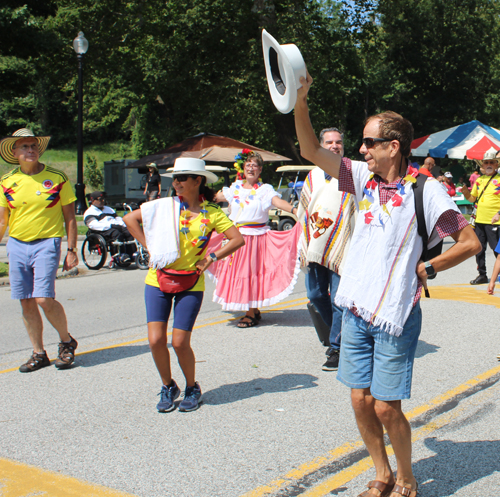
(158, 71)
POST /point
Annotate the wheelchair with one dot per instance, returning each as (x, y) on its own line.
(96, 247)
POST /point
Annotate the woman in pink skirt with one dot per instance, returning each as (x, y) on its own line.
(265, 270)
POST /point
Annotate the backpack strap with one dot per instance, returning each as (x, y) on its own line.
(418, 192)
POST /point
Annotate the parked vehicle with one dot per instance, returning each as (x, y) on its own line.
(293, 177)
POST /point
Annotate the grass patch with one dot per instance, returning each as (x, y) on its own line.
(4, 269)
(65, 159)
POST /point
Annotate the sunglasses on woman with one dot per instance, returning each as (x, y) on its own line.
(370, 142)
(183, 177)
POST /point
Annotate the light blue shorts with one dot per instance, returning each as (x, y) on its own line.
(371, 358)
(33, 267)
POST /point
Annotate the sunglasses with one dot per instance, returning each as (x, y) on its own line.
(370, 142)
(184, 177)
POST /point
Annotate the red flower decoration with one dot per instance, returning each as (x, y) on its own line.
(246, 151)
(413, 171)
(371, 185)
(397, 200)
(368, 218)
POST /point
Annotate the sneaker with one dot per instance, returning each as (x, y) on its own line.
(66, 354)
(167, 397)
(35, 362)
(192, 399)
(332, 363)
(480, 280)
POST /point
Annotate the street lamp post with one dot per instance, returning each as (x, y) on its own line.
(80, 45)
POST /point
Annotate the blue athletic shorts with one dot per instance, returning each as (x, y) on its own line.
(371, 358)
(187, 305)
(33, 267)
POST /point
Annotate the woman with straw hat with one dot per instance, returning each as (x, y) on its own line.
(176, 231)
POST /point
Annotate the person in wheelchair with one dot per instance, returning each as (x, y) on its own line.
(103, 220)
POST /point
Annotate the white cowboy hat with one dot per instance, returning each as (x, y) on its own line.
(187, 165)
(7, 144)
(284, 68)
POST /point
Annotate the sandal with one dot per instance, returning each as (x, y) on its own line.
(385, 488)
(405, 491)
(248, 324)
(258, 315)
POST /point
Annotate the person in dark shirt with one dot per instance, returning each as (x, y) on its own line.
(153, 183)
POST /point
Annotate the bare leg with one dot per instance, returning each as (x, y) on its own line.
(399, 431)
(371, 430)
(34, 324)
(157, 335)
(181, 341)
(54, 312)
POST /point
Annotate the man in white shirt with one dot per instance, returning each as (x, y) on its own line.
(100, 217)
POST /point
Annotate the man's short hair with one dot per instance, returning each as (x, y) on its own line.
(328, 130)
(96, 195)
(393, 126)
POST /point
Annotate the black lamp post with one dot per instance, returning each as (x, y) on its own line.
(80, 45)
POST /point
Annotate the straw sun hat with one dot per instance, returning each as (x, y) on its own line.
(7, 144)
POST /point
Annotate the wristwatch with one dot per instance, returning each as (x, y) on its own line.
(429, 269)
(213, 257)
(72, 250)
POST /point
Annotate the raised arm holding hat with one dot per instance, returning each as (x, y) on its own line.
(35, 202)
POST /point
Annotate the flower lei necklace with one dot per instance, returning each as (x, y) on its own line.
(250, 197)
(185, 221)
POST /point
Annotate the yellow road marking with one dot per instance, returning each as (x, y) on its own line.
(464, 293)
(319, 462)
(275, 307)
(347, 475)
(21, 479)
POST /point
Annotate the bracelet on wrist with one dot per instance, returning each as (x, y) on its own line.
(72, 250)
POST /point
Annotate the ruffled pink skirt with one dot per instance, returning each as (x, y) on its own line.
(261, 273)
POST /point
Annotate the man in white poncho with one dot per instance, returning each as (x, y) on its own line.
(383, 279)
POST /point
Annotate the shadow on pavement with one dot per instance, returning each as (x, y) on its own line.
(286, 318)
(424, 348)
(455, 465)
(110, 355)
(233, 392)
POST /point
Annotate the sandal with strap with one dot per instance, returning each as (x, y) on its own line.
(405, 491)
(384, 488)
(248, 324)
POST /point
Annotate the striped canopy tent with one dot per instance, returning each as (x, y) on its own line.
(466, 141)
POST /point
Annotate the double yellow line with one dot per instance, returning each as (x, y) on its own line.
(432, 409)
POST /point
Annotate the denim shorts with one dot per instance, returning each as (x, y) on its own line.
(33, 267)
(187, 305)
(371, 358)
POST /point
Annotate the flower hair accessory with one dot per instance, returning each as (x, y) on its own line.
(240, 159)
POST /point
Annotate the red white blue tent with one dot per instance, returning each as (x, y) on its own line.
(470, 140)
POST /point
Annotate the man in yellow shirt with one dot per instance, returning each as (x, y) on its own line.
(35, 201)
(486, 192)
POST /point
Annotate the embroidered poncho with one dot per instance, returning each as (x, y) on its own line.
(379, 278)
(328, 219)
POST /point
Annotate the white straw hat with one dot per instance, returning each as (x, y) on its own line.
(284, 68)
(187, 165)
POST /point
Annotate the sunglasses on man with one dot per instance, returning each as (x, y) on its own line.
(183, 177)
(370, 142)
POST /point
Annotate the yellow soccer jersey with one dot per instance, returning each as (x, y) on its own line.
(489, 204)
(35, 203)
(218, 221)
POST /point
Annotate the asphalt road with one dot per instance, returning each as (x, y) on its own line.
(272, 422)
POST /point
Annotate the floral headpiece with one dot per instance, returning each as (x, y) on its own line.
(240, 159)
